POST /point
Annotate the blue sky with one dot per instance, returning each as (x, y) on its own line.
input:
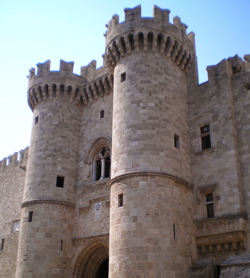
(35, 31)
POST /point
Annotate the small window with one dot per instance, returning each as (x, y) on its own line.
(120, 200)
(205, 137)
(210, 205)
(30, 216)
(15, 226)
(2, 244)
(36, 120)
(176, 141)
(60, 181)
(123, 76)
(102, 114)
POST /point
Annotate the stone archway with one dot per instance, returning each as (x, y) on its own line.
(93, 261)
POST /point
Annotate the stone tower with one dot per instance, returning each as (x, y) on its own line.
(48, 203)
(134, 169)
(151, 230)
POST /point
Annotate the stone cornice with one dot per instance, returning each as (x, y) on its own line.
(227, 217)
(28, 203)
(134, 174)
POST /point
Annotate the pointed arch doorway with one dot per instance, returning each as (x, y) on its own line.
(93, 261)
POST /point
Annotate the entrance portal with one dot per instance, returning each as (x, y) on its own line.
(93, 261)
(103, 271)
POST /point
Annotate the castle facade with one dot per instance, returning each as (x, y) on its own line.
(133, 169)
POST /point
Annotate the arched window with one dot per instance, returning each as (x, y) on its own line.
(99, 158)
(102, 164)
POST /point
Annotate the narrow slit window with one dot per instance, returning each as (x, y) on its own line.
(205, 137)
(30, 216)
(176, 141)
(123, 76)
(60, 181)
(210, 205)
(61, 244)
(120, 200)
(36, 120)
(174, 231)
(2, 244)
(102, 114)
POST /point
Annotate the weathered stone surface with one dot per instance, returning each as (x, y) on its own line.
(174, 200)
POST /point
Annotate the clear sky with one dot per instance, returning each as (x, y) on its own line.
(72, 30)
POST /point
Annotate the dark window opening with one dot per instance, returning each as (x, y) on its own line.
(217, 270)
(2, 244)
(102, 165)
(174, 231)
(123, 76)
(98, 169)
(107, 167)
(209, 197)
(60, 181)
(102, 114)
(210, 205)
(61, 245)
(205, 137)
(206, 142)
(176, 141)
(120, 200)
(30, 216)
(36, 120)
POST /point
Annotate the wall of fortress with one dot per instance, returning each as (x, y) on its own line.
(12, 178)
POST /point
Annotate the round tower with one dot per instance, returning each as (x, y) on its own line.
(151, 230)
(48, 202)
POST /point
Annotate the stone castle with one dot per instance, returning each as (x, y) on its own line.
(133, 169)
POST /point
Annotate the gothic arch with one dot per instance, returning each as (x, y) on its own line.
(99, 158)
(100, 142)
(90, 259)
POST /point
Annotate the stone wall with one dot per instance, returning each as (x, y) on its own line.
(241, 94)
(12, 178)
(219, 166)
(92, 128)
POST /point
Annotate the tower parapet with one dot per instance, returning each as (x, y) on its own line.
(65, 85)
(144, 34)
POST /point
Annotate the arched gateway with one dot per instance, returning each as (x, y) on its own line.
(93, 261)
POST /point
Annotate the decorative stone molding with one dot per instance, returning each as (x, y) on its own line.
(225, 232)
(85, 209)
(100, 142)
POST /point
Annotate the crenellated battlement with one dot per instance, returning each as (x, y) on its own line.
(65, 85)
(18, 158)
(231, 65)
(146, 34)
